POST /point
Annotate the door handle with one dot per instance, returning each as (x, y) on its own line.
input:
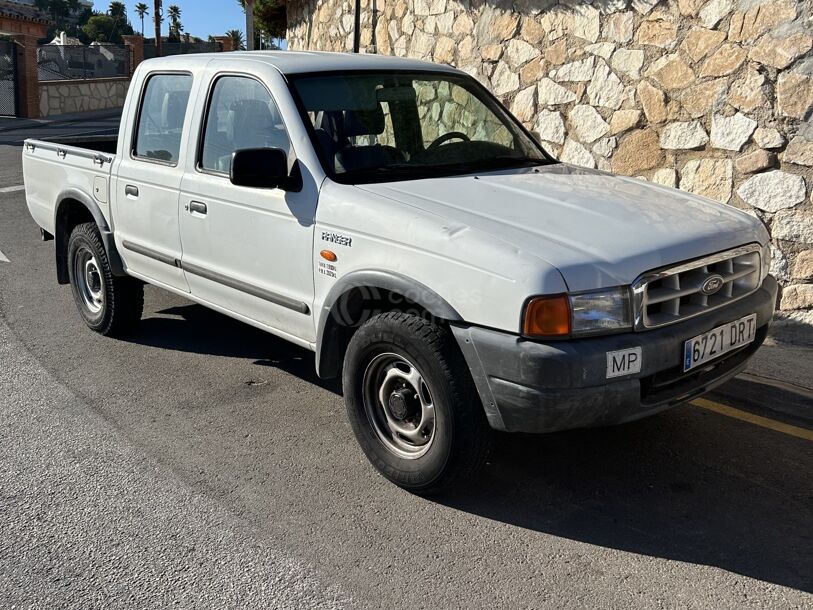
(197, 206)
(131, 191)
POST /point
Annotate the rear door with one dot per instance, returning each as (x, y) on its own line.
(247, 250)
(149, 175)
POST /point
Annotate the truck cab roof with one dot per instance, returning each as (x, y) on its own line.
(299, 62)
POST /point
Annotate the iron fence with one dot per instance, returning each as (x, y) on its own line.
(8, 78)
(181, 48)
(70, 62)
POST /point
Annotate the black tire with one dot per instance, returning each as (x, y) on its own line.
(461, 437)
(109, 304)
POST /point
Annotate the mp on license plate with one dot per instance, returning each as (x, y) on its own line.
(718, 341)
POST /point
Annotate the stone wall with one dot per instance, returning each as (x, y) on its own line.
(710, 96)
(69, 96)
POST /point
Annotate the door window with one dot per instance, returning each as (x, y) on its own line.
(241, 115)
(161, 117)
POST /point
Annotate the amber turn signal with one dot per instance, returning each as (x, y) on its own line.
(547, 317)
(328, 255)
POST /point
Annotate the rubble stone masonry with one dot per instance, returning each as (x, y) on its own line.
(714, 97)
(70, 96)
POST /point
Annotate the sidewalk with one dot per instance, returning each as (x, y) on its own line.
(788, 350)
(778, 382)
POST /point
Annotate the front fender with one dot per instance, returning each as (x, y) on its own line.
(329, 343)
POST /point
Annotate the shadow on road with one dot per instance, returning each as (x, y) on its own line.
(197, 329)
(686, 485)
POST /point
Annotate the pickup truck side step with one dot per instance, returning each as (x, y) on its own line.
(262, 293)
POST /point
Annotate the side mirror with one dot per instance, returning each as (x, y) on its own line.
(259, 168)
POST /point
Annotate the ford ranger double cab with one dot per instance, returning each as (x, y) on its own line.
(391, 216)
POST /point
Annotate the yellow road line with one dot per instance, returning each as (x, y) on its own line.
(757, 420)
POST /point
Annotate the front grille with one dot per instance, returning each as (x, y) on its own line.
(677, 293)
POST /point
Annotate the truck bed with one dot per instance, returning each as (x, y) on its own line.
(104, 144)
(66, 167)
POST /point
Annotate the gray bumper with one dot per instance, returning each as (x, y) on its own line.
(531, 386)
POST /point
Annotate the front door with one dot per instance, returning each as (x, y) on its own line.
(247, 250)
(147, 184)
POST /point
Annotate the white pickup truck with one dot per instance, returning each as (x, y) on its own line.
(393, 217)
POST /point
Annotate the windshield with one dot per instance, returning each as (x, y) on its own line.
(379, 126)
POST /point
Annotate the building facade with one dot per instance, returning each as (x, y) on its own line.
(82, 3)
(710, 96)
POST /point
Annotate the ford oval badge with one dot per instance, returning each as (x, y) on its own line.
(712, 285)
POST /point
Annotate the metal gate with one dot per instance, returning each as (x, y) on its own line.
(8, 78)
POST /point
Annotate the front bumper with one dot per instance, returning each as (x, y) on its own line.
(532, 386)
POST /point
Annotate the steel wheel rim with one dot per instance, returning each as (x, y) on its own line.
(399, 405)
(89, 280)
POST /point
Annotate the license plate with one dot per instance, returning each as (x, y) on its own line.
(718, 341)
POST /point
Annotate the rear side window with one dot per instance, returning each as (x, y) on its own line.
(241, 115)
(161, 117)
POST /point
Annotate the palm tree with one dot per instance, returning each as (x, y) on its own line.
(175, 25)
(117, 11)
(141, 10)
(237, 40)
(158, 18)
(174, 12)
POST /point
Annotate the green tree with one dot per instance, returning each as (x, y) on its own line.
(99, 28)
(269, 18)
(104, 28)
(141, 10)
(237, 40)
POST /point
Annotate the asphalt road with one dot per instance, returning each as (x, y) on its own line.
(201, 462)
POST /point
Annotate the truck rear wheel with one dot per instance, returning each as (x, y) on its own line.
(412, 403)
(110, 305)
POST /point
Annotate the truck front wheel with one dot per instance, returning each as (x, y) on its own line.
(412, 403)
(110, 305)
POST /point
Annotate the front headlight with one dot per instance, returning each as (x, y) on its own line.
(601, 311)
(588, 313)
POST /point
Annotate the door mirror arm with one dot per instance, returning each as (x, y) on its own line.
(293, 183)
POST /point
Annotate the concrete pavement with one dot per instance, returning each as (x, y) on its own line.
(201, 459)
(89, 521)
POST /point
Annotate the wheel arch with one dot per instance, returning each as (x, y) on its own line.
(75, 207)
(360, 294)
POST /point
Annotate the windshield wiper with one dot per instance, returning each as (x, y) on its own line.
(521, 160)
(419, 170)
(407, 167)
(473, 165)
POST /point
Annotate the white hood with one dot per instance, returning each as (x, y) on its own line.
(598, 229)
